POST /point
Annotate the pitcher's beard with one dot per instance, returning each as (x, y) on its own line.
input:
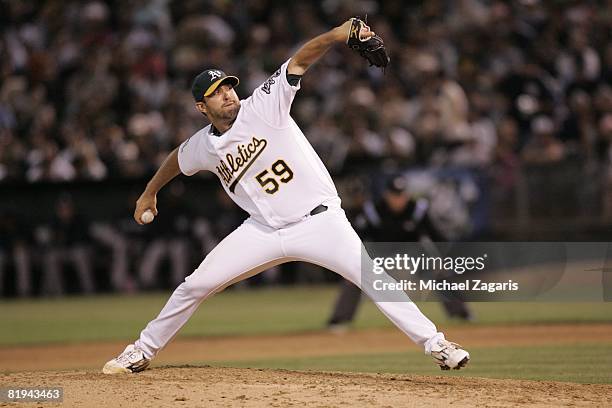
(229, 115)
(232, 113)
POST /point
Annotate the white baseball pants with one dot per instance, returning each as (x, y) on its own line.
(326, 239)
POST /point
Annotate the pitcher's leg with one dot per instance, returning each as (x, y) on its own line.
(227, 263)
(312, 239)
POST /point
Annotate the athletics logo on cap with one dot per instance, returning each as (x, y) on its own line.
(207, 81)
(214, 74)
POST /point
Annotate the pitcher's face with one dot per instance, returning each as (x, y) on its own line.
(223, 104)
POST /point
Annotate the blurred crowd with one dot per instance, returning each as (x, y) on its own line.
(100, 89)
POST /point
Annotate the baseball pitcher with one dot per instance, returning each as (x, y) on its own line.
(267, 166)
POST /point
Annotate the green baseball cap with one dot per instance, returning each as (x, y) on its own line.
(207, 81)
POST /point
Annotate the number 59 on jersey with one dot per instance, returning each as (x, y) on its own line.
(280, 172)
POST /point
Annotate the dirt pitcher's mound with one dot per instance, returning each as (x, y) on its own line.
(213, 387)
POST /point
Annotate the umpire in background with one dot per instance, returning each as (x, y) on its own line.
(395, 217)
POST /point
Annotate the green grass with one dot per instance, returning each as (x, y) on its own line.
(291, 310)
(586, 363)
(242, 312)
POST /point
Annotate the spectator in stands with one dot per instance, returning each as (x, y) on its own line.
(543, 146)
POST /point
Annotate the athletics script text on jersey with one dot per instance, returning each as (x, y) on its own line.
(270, 81)
(239, 163)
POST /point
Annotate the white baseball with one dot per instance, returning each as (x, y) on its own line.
(147, 217)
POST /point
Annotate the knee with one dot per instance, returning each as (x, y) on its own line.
(198, 288)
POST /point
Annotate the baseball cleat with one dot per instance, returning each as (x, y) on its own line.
(449, 355)
(132, 360)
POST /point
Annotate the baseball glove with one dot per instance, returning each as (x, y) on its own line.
(372, 48)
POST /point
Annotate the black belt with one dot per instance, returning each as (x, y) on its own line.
(318, 209)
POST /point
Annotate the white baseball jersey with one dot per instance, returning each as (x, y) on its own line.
(264, 161)
(267, 167)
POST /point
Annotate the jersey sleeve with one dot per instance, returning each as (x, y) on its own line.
(190, 155)
(272, 99)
